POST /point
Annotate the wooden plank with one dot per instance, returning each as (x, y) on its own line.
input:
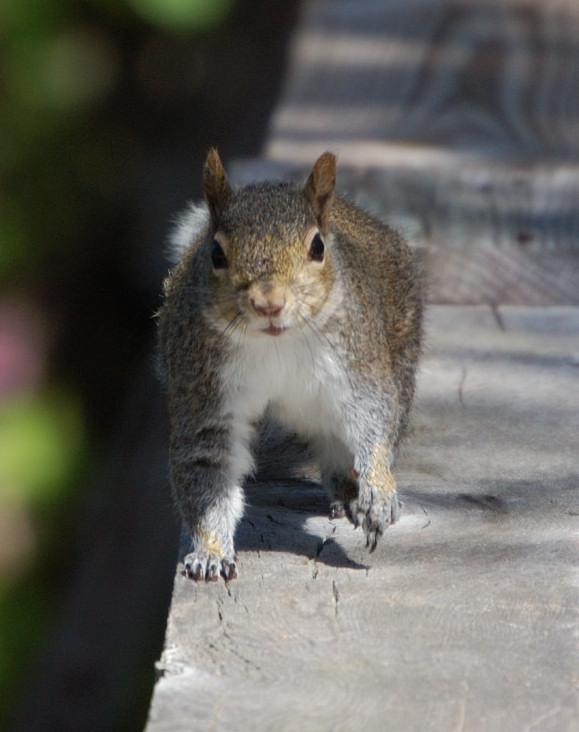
(463, 618)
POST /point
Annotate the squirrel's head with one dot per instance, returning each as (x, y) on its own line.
(269, 248)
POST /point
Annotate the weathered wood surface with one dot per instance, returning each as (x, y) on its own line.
(466, 615)
(460, 121)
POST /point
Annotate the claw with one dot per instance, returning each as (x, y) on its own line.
(352, 514)
(212, 574)
(195, 570)
(373, 541)
(395, 509)
(229, 570)
(337, 510)
(201, 566)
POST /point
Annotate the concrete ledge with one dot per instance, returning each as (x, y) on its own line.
(466, 615)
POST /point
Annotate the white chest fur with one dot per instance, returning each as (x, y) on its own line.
(301, 376)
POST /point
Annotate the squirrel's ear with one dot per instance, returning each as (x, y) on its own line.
(216, 187)
(320, 185)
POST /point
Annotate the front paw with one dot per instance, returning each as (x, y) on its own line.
(374, 512)
(203, 565)
(337, 510)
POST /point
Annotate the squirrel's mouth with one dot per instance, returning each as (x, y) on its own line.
(273, 330)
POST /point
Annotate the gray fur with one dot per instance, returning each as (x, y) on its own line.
(330, 346)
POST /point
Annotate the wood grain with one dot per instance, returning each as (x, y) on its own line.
(493, 78)
(459, 120)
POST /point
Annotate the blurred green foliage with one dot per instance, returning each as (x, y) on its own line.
(183, 15)
(41, 449)
(41, 441)
(68, 153)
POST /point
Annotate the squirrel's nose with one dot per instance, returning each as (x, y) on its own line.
(267, 301)
(267, 308)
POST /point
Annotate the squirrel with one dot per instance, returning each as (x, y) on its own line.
(287, 297)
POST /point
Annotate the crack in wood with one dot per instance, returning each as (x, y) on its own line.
(498, 317)
(461, 388)
(235, 652)
(336, 595)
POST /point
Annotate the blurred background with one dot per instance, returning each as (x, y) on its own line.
(107, 108)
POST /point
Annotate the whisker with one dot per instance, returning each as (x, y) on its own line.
(233, 324)
(304, 320)
(238, 327)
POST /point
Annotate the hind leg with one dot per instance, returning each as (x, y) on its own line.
(342, 489)
(338, 476)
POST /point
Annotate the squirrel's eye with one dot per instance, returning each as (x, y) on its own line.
(316, 253)
(218, 257)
